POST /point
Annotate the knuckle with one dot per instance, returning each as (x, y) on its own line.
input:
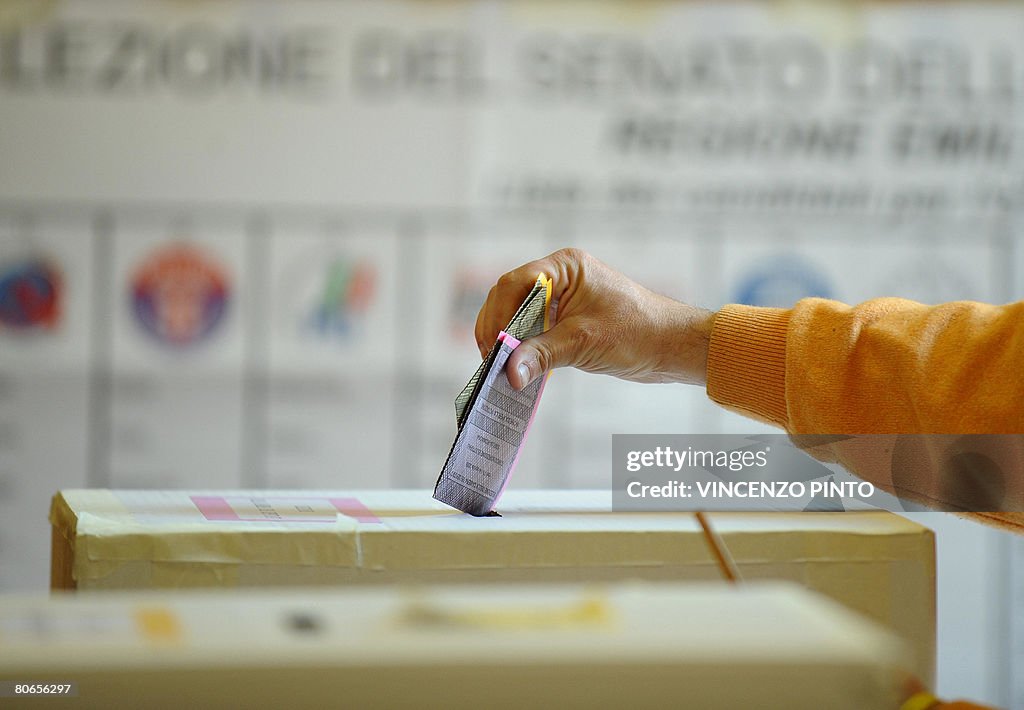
(543, 358)
(573, 254)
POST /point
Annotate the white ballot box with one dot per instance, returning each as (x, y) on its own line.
(876, 563)
(642, 645)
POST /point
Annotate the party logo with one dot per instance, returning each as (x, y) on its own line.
(469, 291)
(342, 298)
(30, 295)
(781, 283)
(179, 295)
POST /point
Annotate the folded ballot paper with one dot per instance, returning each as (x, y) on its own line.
(493, 419)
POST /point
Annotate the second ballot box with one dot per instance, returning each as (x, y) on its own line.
(637, 645)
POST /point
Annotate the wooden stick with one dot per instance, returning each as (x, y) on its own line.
(721, 553)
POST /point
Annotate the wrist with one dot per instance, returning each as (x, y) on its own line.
(685, 337)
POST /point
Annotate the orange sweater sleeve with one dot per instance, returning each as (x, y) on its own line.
(887, 366)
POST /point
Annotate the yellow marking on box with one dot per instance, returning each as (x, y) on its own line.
(159, 625)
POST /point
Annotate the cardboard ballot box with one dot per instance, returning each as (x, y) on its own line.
(877, 563)
(638, 646)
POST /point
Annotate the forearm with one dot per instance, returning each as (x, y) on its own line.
(882, 370)
(886, 366)
(895, 366)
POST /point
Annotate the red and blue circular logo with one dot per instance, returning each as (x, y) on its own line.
(30, 295)
(180, 295)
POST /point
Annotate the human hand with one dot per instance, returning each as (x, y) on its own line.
(604, 323)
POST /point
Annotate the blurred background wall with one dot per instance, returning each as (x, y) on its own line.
(243, 243)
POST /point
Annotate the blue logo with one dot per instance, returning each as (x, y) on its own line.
(781, 283)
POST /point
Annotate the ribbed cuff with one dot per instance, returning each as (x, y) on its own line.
(747, 361)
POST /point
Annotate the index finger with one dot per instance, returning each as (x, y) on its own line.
(510, 290)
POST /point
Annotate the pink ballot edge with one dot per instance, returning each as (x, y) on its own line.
(509, 340)
(514, 343)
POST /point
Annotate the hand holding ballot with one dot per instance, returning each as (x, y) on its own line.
(598, 315)
(604, 323)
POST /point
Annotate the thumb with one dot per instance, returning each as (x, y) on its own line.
(538, 355)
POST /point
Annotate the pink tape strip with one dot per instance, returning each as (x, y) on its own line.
(217, 508)
(353, 508)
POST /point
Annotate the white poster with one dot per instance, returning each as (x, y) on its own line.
(332, 339)
(754, 108)
(178, 331)
(46, 322)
